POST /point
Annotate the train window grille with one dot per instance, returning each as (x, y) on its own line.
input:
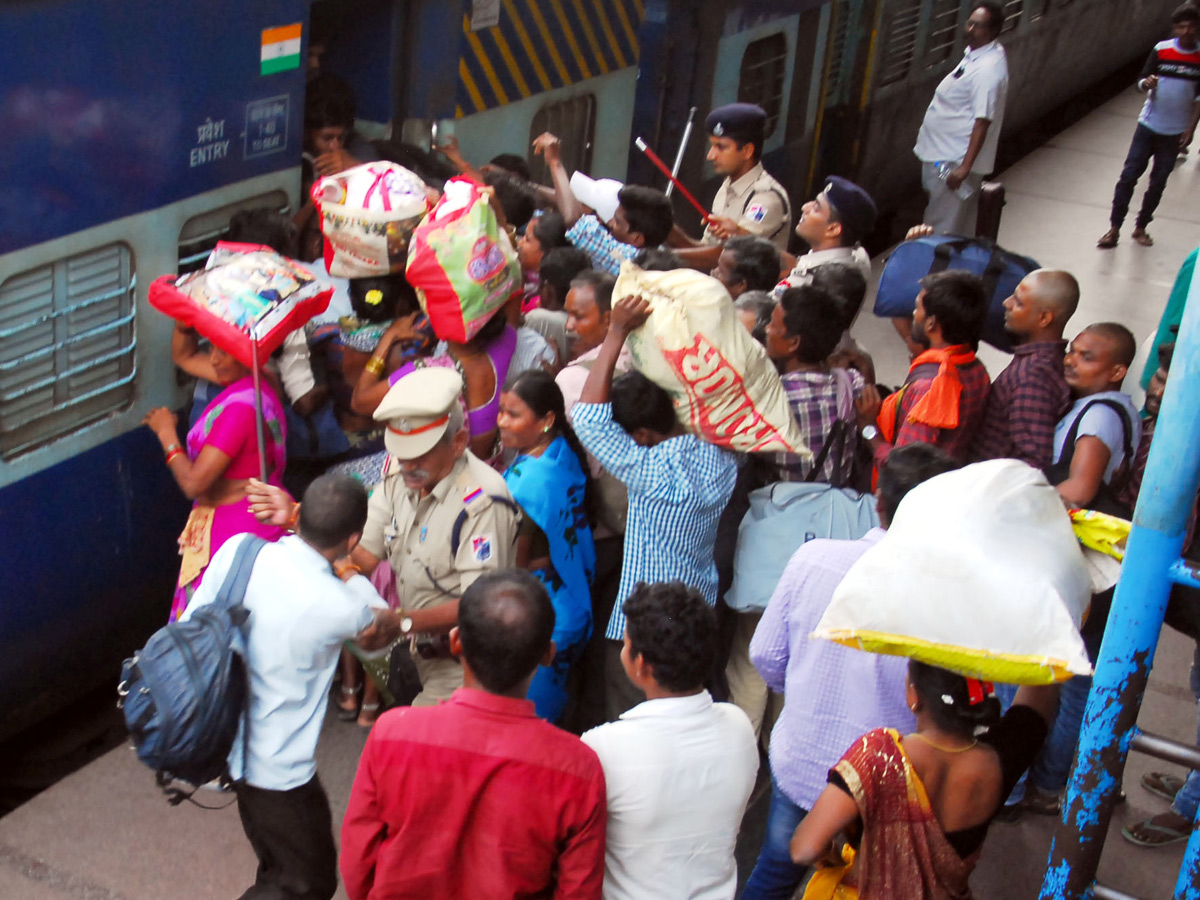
(201, 233)
(574, 121)
(904, 24)
(943, 31)
(1012, 14)
(67, 346)
(760, 80)
(838, 80)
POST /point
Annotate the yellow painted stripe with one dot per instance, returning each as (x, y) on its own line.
(527, 44)
(630, 31)
(590, 35)
(609, 36)
(464, 75)
(511, 62)
(458, 112)
(484, 63)
(641, 9)
(550, 43)
(571, 42)
(282, 33)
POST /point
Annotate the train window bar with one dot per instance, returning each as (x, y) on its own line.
(68, 339)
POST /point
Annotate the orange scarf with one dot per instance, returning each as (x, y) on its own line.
(939, 406)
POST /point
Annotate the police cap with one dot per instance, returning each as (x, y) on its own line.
(417, 410)
(744, 122)
(855, 208)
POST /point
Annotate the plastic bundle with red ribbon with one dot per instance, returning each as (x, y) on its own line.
(246, 294)
(367, 216)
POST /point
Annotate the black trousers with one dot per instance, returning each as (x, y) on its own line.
(292, 836)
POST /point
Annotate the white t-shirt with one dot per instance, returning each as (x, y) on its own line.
(976, 89)
(300, 614)
(1103, 422)
(679, 772)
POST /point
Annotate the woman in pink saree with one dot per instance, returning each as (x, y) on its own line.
(220, 456)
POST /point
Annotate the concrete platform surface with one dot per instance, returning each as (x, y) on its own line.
(106, 833)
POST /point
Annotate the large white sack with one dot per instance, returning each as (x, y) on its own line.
(725, 387)
(980, 573)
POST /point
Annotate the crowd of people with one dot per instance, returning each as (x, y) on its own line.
(516, 543)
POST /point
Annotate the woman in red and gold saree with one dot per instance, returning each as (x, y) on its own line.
(915, 809)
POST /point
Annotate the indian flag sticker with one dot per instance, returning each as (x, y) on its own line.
(281, 48)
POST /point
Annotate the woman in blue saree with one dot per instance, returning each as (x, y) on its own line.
(548, 480)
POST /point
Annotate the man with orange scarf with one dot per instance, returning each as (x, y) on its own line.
(941, 401)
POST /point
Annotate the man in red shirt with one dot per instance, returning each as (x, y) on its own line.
(941, 401)
(477, 797)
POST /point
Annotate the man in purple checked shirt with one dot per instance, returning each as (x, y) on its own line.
(833, 694)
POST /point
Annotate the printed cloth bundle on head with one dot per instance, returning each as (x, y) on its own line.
(367, 215)
(726, 389)
(979, 573)
(461, 263)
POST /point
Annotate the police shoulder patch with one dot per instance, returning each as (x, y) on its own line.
(756, 213)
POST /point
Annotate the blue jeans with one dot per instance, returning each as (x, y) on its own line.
(1188, 798)
(775, 876)
(1146, 145)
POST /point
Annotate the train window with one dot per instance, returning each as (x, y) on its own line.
(67, 339)
(574, 121)
(903, 25)
(760, 80)
(201, 233)
(943, 31)
(1012, 14)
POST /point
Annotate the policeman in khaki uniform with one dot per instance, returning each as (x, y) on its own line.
(749, 201)
(441, 517)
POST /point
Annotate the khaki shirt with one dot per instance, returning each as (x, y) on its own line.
(758, 203)
(414, 533)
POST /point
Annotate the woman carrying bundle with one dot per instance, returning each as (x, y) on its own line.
(548, 481)
(915, 809)
(220, 456)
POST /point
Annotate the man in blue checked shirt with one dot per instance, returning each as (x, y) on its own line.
(678, 485)
(626, 218)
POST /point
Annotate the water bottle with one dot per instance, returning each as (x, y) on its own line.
(944, 168)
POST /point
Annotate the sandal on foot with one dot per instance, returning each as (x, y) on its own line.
(1152, 834)
(368, 715)
(1140, 237)
(1109, 239)
(1039, 803)
(1162, 784)
(348, 713)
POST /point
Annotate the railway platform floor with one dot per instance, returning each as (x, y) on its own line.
(106, 833)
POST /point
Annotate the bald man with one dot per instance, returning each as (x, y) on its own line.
(1030, 396)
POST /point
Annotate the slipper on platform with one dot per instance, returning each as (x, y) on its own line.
(368, 715)
(1148, 834)
(1109, 239)
(1162, 784)
(348, 713)
(1140, 237)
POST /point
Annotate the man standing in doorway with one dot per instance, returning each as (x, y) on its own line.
(957, 140)
(1165, 125)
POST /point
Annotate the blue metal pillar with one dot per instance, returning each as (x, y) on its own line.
(1131, 637)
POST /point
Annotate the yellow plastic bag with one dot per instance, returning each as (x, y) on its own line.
(1101, 532)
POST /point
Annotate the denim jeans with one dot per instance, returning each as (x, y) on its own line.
(1188, 797)
(1146, 145)
(775, 876)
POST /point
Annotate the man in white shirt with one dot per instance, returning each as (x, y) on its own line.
(300, 614)
(958, 138)
(679, 768)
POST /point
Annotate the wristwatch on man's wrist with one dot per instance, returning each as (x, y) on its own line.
(869, 432)
(406, 626)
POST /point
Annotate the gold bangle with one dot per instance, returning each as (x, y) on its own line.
(295, 517)
(374, 366)
(341, 570)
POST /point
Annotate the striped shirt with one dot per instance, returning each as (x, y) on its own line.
(1024, 405)
(813, 399)
(604, 250)
(677, 491)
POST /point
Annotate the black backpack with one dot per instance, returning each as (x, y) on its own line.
(184, 692)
